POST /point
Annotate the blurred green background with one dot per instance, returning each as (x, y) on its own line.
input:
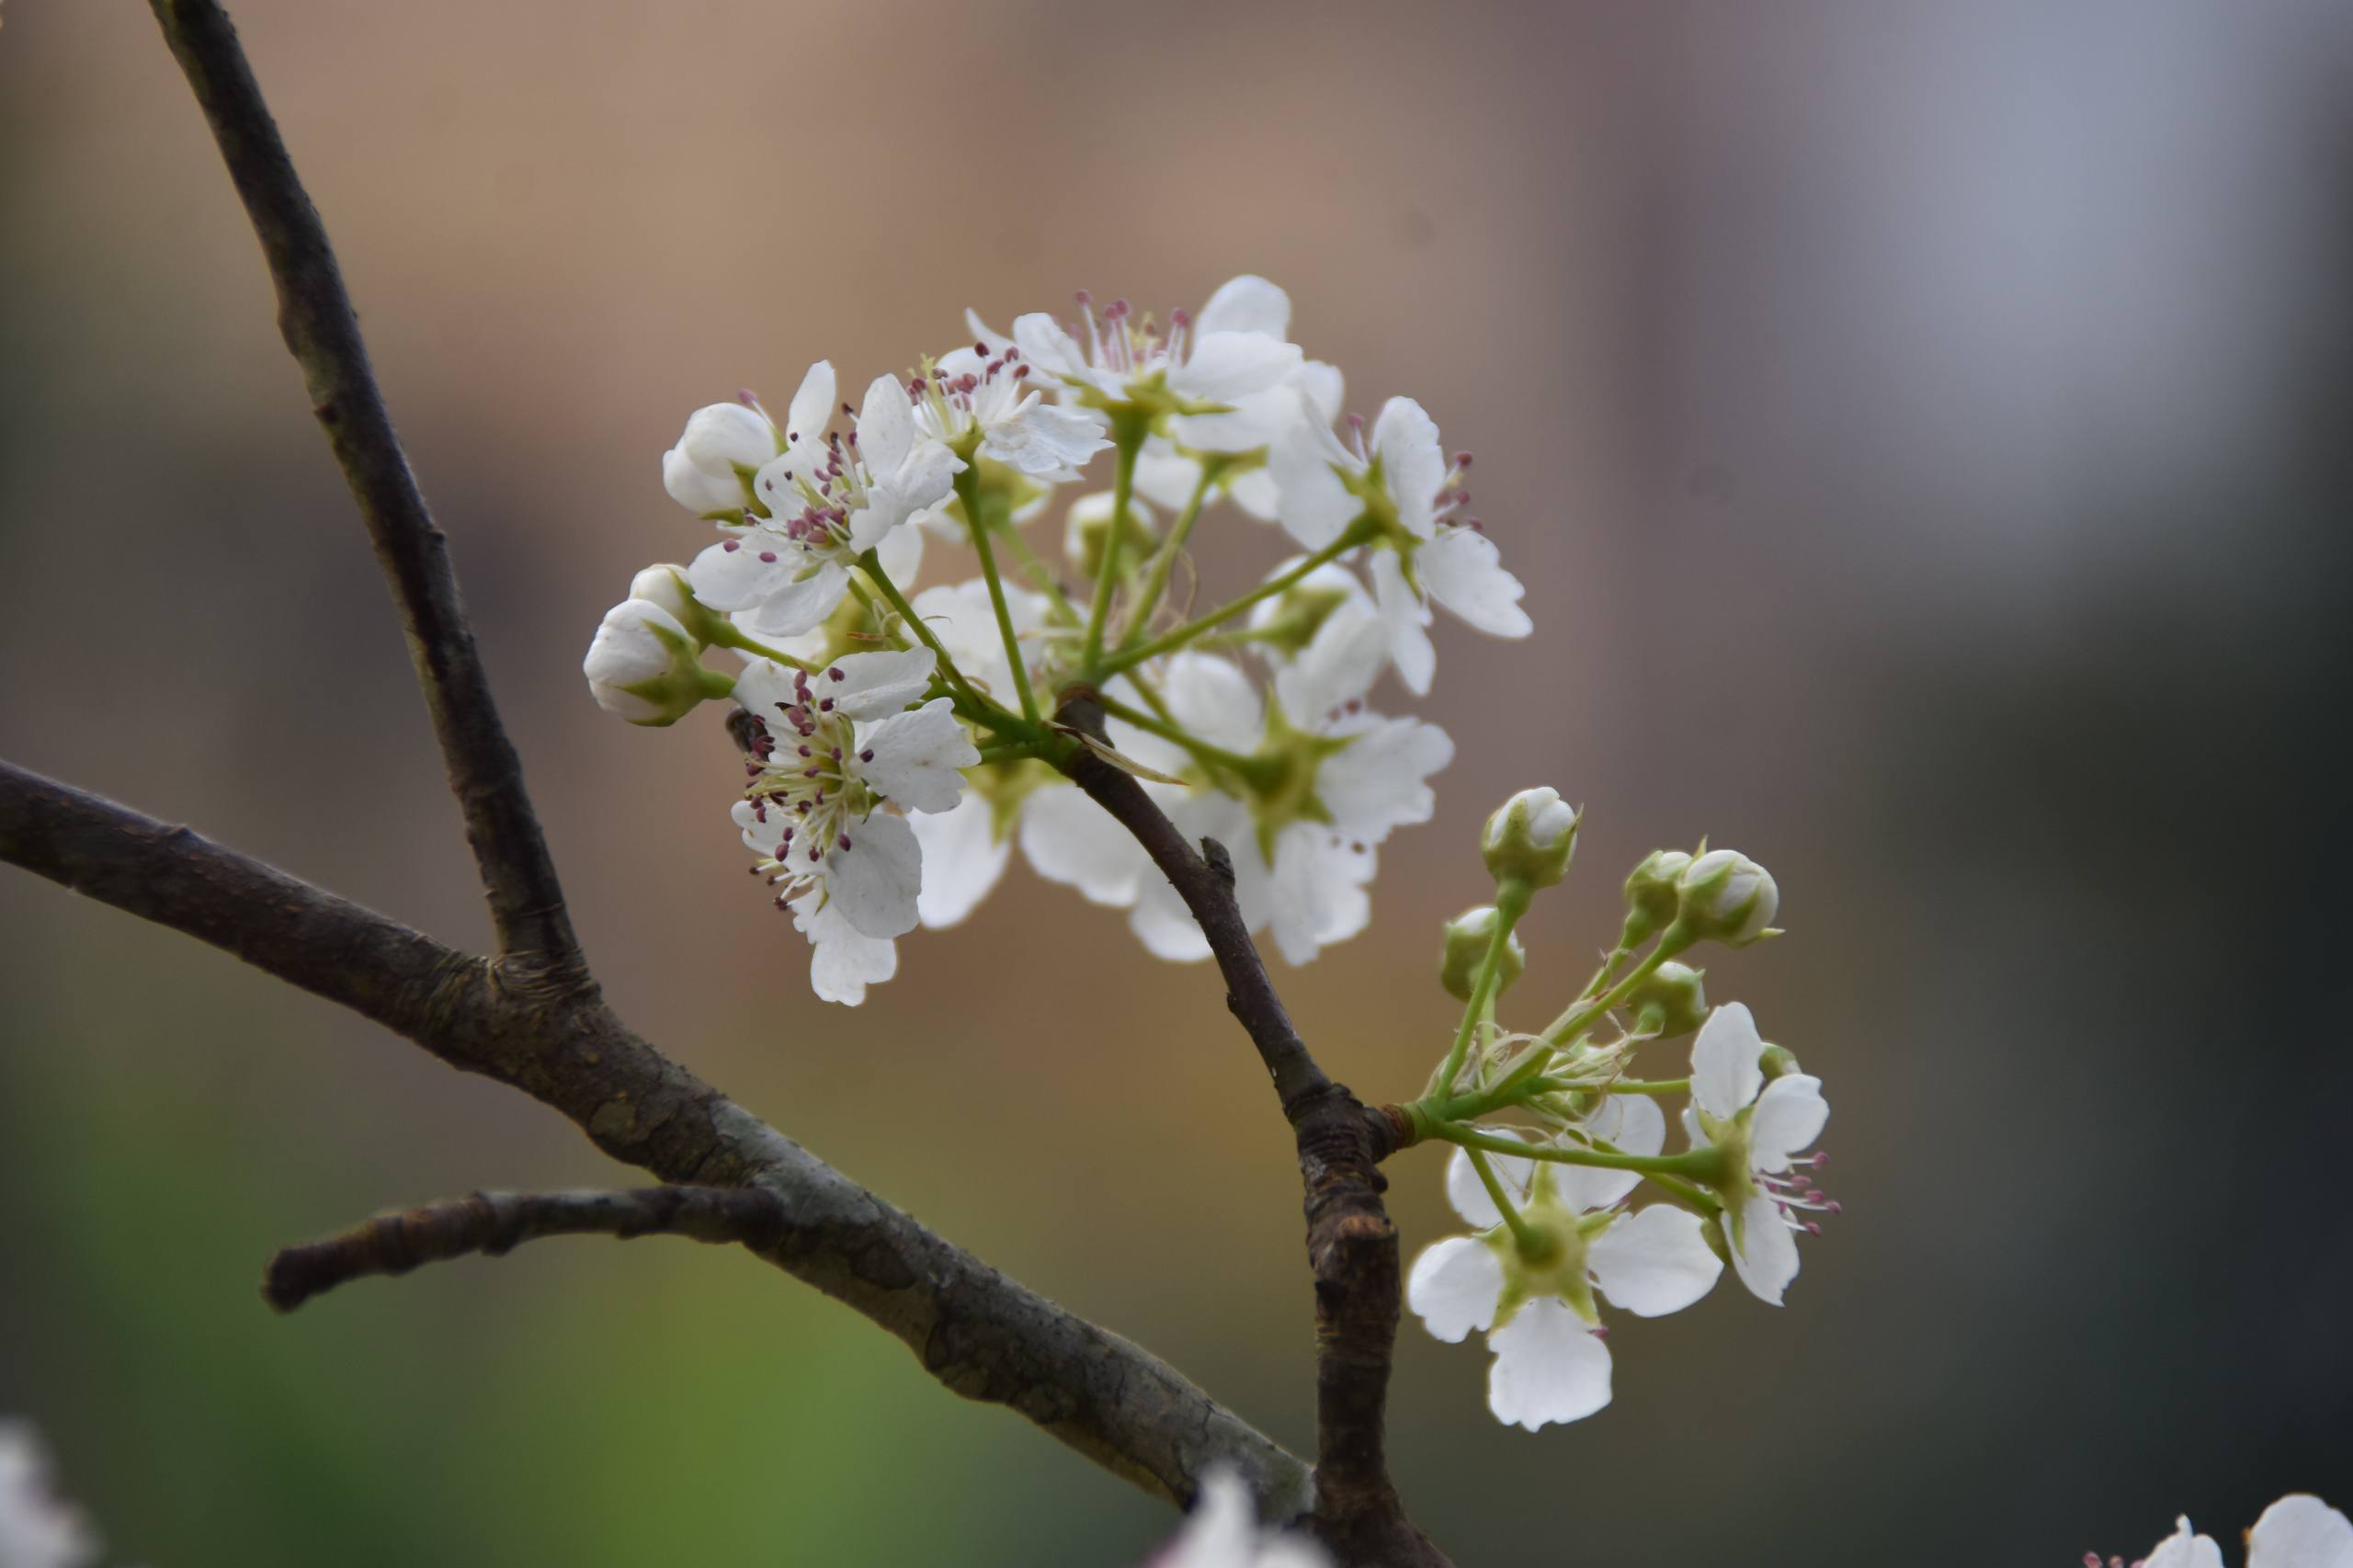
(1923, 431)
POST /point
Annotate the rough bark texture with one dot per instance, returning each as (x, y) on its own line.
(1351, 1241)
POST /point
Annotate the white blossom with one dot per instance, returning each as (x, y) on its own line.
(983, 399)
(38, 1529)
(828, 499)
(1551, 1363)
(1422, 552)
(1185, 369)
(837, 756)
(1223, 1531)
(2297, 1531)
(1763, 1127)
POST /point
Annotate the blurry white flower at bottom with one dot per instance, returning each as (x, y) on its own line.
(38, 1529)
(2297, 1531)
(1223, 1533)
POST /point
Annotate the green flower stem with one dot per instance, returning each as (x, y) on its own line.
(713, 683)
(1128, 431)
(1606, 974)
(872, 564)
(1698, 1199)
(1649, 1087)
(1703, 1166)
(1163, 561)
(968, 490)
(1582, 1013)
(1202, 751)
(1534, 1244)
(1126, 658)
(874, 613)
(1512, 897)
(1524, 1083)
(725, 633)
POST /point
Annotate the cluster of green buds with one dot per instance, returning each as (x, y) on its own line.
(1555, 1136)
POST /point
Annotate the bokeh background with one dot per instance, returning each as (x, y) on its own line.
(1924, 430)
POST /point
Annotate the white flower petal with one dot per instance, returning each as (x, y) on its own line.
(1068, 838)
(1314, 505)
(1464, 572)
(1214, 699)
(1725, 1071)
(1633, 1124)
(873, 685)
(2301, 1532)
(1047, 440)
(1454, 1287)
(1316, 893)
(792, 608)
(873, 882)
(732, 574)
(1223, 365)
(1248, 304)
(699, 489)
(1045, 345)
(1654, 1262)
(963, 860)
(1402, 611)
(845, 961)
(1789, 1115)
(1380, 781)
(1343, 659)
(1764, 1250)
(1413, 464)
(812, 408)
(1165, 925)
(2185, 1550)
(1548, 1368)
(886, 426)
(1469, 1194)
(913, 760)
(901, 554)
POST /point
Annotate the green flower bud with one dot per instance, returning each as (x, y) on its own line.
(1467, 937)
(641, 665)
(1670, 1002)
(1089, 525)
(1776, 1062)
(1530, 838)
(1289, 621)
(1728, 898)
(1652, 900)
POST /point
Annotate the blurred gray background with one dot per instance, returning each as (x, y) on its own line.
(1923, 430)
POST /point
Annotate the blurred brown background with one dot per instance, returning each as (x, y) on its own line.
(1922, 427)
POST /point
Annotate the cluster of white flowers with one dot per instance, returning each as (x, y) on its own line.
(1550, 1193)
(2297, 1531)
(901, 742)
(38, 1529)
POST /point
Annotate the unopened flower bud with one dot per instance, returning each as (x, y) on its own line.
(1089, 525)
(1776, 1062)
(1530, 838)
(1289, 621)
(710, 470)
(1670, 1002)
(1650, 896)
(642, 664)
(665, 586)
(1468, 936)
(1728, 898)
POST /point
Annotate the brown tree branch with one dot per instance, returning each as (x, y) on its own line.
(985, 1336)
(1351, 1242)
(321, 332)
(495, 1223)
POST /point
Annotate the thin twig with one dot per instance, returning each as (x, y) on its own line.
(983, 1335)
(495, 1223)
(1351, 1242)
(315, 316)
